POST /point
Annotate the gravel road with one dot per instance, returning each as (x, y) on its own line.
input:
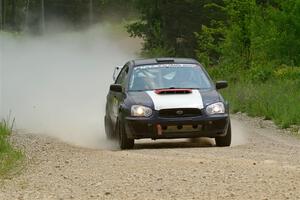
(263, 163)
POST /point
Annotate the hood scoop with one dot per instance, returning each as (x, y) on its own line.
(173, 91)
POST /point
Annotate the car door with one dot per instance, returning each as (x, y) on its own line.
(118, 97)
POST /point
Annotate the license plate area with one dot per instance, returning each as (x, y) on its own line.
(181, 128)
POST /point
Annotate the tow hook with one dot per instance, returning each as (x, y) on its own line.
(159, 129)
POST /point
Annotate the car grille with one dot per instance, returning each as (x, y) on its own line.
(180, 112)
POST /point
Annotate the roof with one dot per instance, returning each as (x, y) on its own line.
(153, 61)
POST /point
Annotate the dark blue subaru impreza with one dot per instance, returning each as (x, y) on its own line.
(166, 98)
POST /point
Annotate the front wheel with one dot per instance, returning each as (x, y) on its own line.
(226, 140)
(124, 141)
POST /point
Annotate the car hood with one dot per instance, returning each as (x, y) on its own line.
(139, 98)
(196, 99)
(211, 96)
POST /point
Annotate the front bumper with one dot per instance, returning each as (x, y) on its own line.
(204, 126)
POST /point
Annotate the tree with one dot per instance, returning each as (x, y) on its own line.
(33, 15)
(2, 11)
(91, 12)
(43, 25)
(13, 13)
(170, 24)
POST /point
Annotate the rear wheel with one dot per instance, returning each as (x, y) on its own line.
(224, 141)
(124, 141)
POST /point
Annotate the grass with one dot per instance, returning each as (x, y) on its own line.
(9, 157)
(269, 92)
(277, 100)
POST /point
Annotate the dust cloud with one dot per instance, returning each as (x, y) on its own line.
(240, 133)
(56, 84)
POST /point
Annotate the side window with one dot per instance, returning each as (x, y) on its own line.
(122, 76)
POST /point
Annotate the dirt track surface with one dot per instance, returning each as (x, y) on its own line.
(265, 165)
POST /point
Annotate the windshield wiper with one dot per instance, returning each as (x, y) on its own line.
(167, 88)
(178, 88)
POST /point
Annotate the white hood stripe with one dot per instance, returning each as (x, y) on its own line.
(170, 101)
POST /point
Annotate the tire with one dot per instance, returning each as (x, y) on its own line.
(224, 141)
(108, 129)
(124, 141)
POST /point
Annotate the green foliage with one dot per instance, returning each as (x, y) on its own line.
(287, 73)
(154, 44)
(9, 157)
(208, 44)
(30, 15)
(256, 33)
(171, 24)
(264, 90)
(275, 31)
(229, 37)
(260, 74)
(243, 33)
(157, 52)
(276, 99)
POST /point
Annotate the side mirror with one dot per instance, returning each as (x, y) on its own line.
(116, 88)
(221, 84)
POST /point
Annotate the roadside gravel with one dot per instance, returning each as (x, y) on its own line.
(263, 163)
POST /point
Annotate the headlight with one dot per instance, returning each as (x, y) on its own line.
(216, 108)
(140, 111)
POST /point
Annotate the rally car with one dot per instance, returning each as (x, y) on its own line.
(166, 98)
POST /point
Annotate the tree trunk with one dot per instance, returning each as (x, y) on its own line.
(2, 12)
(91, 12)
(26, 14)
(42, 16)
(13, 14)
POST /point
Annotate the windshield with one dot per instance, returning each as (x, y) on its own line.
(151, 77)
